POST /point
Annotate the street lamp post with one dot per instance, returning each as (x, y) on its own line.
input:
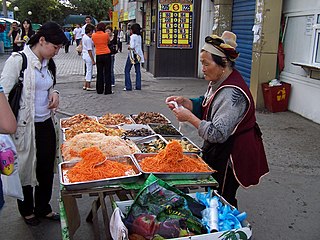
(16, 10)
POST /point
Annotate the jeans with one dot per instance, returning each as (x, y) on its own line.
(112, 69)
(127, 75)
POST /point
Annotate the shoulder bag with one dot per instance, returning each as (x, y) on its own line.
(15, 93)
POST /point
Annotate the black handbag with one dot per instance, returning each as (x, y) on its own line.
(16, 91)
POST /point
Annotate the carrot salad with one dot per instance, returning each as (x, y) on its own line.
(86, 169)
(172, 159)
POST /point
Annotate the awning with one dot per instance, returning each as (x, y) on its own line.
(78, 19)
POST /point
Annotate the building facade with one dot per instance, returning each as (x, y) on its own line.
(174, 31)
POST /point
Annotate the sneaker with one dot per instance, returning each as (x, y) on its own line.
(84, 88)
(90, 89)
(126, 89)
(113, 85)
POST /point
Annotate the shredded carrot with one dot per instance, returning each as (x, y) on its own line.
(86, 169)
(172, 159)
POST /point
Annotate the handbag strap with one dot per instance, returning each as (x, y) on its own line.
(24, 65)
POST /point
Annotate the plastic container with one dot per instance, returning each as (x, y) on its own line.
(276, 98)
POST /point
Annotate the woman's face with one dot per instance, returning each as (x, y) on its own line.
(26, 25)
(211, 70)
(48, 50)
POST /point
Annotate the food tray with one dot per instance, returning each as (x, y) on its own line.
(64, 166)
(62, 119)
(128, 118)
(147, 121)
(138, 157)
(189, 147)
(165, 129)
(146, 144)
(136, 130)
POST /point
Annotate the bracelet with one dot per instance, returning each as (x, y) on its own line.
(56, 91)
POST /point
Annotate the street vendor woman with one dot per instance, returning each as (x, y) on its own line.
(225, 119)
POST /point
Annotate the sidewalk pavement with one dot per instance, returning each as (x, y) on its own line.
(285, 205)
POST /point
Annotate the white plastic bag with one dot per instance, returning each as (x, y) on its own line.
(11, 184)
(117, 228)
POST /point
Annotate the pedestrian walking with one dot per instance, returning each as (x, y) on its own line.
(121, 39)
(225, 119)
(69, 37)
(77, 32)
(14, 30)
(134, 49)
(35, 138)
(24, 34)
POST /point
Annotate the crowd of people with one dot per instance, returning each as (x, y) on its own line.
(99, 52)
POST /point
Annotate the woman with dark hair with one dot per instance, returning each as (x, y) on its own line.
(101, 40)
(24, 34)
(135, 47)
(113, 49)
(35, 138)
(225, 119)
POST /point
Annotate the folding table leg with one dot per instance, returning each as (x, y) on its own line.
(95, 220)
(105, 215)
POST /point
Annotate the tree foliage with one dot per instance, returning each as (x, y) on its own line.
(55, 10)
(99, 9)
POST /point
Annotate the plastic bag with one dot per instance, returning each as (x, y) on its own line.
(11, 184)
(160, 210)
(8, 154)
(134, 57)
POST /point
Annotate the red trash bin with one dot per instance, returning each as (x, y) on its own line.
(276, 98)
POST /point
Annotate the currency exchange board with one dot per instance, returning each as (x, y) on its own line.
(175, 24)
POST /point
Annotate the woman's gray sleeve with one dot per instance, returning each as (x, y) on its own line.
(227, 110)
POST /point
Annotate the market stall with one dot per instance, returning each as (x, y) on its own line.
(140, 145)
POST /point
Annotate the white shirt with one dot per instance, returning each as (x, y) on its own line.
(135, 43)
(77, 33)
(87, 44)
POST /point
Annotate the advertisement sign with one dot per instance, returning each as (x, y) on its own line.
(175, 24)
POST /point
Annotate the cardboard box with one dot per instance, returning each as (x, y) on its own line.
(243, 233)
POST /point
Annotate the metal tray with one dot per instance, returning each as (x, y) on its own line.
(129, 127)
(64, 166)
(143, 143)
(133, 116)
(154, 127)
(62, 119)
(195, 148)
(138, 157)
(127, 117)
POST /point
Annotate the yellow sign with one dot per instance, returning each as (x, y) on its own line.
(115, 19)
(175, 24)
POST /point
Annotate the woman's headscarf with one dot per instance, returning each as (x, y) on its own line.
(224, 46)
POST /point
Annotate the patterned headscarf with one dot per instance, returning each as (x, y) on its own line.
(224, 46)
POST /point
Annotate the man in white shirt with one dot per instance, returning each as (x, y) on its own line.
(77, 32)
(87, 21)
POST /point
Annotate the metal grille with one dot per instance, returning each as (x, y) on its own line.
(243, 14)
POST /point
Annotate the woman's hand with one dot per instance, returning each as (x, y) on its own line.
(181, 101)
(185, 115)
(53, 101)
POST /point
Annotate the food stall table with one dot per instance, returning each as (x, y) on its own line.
(70, 217)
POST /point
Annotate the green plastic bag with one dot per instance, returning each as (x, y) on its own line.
(162, 212)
